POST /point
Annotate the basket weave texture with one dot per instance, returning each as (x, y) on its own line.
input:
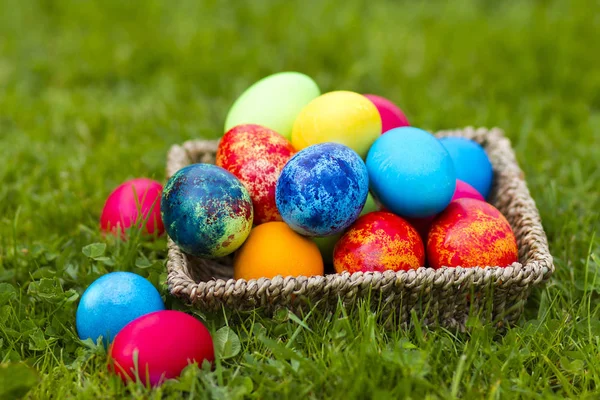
(442, 296)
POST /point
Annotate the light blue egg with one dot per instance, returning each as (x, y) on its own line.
(322, 189)
(111, 302)
(471, 163)
(411, 173)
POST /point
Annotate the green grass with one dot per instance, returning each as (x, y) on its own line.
(93, 93)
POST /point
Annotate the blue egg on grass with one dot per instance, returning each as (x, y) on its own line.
(322, 189)
(206, 210)
(411, 173)
(111, 302)
(471, 163)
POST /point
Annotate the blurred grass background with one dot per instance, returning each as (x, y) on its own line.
(95, 92)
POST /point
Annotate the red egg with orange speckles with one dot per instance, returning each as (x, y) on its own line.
(471, 233)
(379, 241)
(256, 155)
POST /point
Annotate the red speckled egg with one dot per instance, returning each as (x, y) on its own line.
(256, 155)
(379, 241)
(161, 344)
(471, 233)
(121, 210)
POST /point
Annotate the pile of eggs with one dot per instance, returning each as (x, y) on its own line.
(303, 180)
(146, 342)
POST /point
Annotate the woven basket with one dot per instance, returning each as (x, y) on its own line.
(444, 296)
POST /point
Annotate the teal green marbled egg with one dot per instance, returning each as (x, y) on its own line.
(206, 210)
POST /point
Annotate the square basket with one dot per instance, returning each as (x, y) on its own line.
(444, 296)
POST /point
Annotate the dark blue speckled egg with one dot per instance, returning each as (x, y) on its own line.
(111, 302)
(322, 189)
(206, 210)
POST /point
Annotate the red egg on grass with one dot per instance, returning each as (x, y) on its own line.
(471, 233)
(379, 241)
(256, 155)
(136, 201)
(158, 346)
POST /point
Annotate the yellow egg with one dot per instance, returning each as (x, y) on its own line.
(342, 117)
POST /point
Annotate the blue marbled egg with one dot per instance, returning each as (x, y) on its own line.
(322, 189)
(471, 163)
(206, 210)
(411, 173)
(111, 302)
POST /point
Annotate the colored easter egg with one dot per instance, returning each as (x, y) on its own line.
(207, 211)
(391, 115)
(111, 302)
(379, 241)
(158, 346)
(134, 202)
(256, 155)
(471, 233)
(273, 102)
(370, 205)
(272, 249)
(471, 163)
(326, 245)
(341, 117)
(411, 173)
(463, 190)
(322, 189)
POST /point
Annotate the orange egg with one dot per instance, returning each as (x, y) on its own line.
(272, 249)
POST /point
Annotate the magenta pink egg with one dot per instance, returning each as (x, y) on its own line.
(464, 190)
(161, 344)
(391, 115)
(133, 202)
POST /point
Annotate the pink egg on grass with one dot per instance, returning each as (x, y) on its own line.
(158, 346)
(463, 190)
(391, 115)
(134, 202)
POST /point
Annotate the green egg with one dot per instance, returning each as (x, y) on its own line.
(370, 205)
(273, 102)
(326, 245)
